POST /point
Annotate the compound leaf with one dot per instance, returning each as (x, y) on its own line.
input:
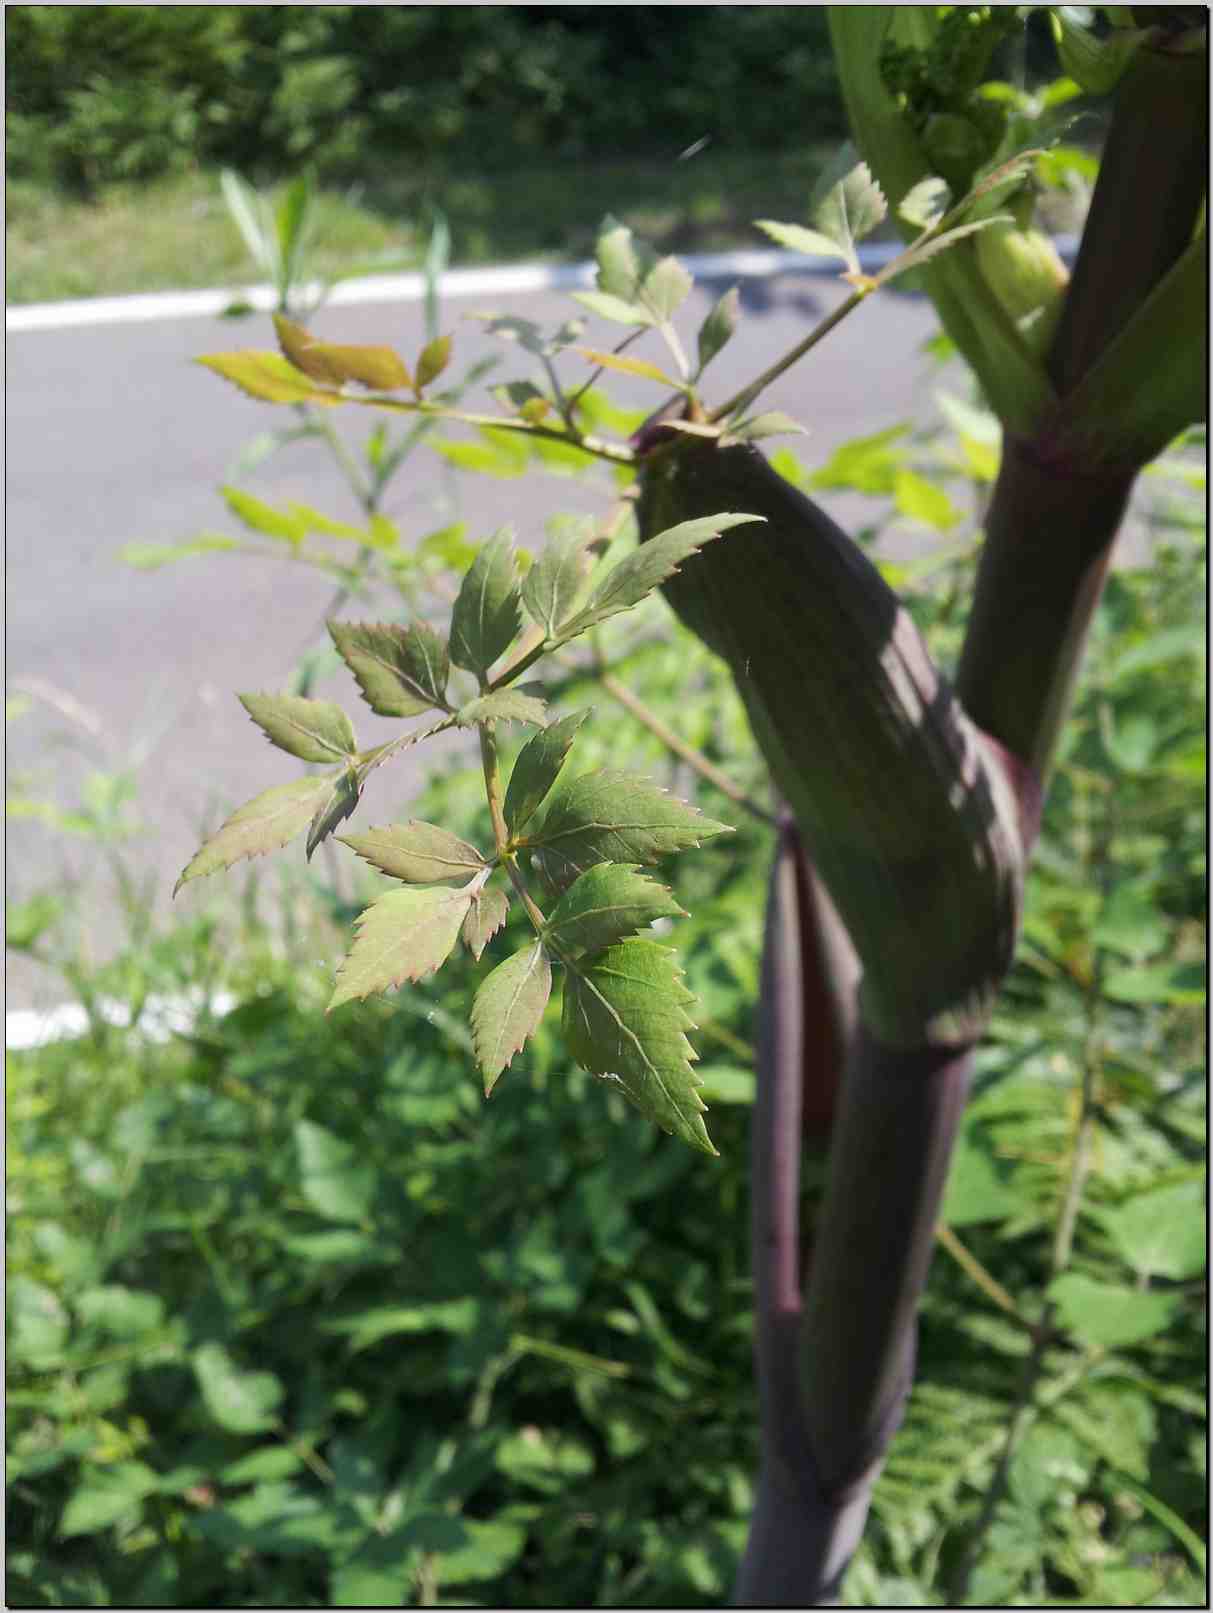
(418, 853)
(504, 705)
(797, 238)
(312, 730)
(508, 1007)
(635, 576)
(605, 904)
(537, 767)
(486, 615)
(624, 1017)
(488, 912)
(850, 208)
(263, 824)
(404, 935)
(400, 670)
(609, 816)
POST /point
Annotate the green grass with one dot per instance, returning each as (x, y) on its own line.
(176, 234)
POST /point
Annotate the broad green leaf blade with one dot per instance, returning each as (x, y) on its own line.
(616, 309)
(333, 1181)
(264, 518)
(486, 915)
(621, 263)
(925, 203)
(799, 239)
(504, 705)
(486, 615)
(1107, 1314)
(404, 935)
(624, 1018)
(1161, 1233)
(377, 367)
(263, 824)
(268, 377)
(610, 816)
(553, 585)
(400, 670)
(418, 853)
(605, 904)
(508, 1007)
(537, 768)
(312, 730)
(432, 360)
(240, 1402)
(851, 208)
(627, 583)
(719, 327)
(921, 500)
(665, 288)
(335, 808)
(105, 1496)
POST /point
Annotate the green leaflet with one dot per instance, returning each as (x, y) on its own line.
(345, 788)
(418, 853)
(377, 367)
(486, 915)
(627, 583)
(263, 824)
(432, 360)
(609, 816)
(401, 670)
(605, 904)
(504, 705)
(537, 767)
(552, 585)
(241, 1402)
(624, 1017)
(312, 730)
(268, 377)
(508, 1007)
(404, 935)
(486, 615)
(718, 327)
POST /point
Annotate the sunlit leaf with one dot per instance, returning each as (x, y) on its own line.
(625, 1018)
(537, 767)
(552, 586)
(150, 556)
(719, 327)
(263, 824)
(240, 1402)
(489, 910)
(504, 705)
(400, 670)
(509, 1005)
(336, 807)
(261, 517)
(379, 368)
(605, 904)
(1107, 1314)
(665, 287)
(312, 730)
(615, 309)
(798, 238)
(925, 203)
(418, 853)
(923, 501)
(432, 360)
(268, 377)
(486, 616)
(627, 366)
(404, 935)
(333, 1180)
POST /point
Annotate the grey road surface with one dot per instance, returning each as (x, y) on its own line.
(113, 436)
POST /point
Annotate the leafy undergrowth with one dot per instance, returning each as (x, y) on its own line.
(296, 1317)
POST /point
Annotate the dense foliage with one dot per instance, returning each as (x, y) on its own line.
(101, 93)
(296, 1317)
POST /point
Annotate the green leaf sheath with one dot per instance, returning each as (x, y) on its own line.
(909, 820)
(486, 615)
(404, 935)
(507, 1009)
(312, 730)
(624, 1017)
(263, 824)
(610, 816)
(537, 768)
(401, 670)
(418, 853)
(604, 905)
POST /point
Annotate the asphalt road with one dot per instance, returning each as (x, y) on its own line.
(114, 436)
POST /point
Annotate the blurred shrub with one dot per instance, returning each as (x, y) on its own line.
(103, 93)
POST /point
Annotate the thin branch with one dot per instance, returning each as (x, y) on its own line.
(748, 393)
(619, 347)
(972, 1267)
